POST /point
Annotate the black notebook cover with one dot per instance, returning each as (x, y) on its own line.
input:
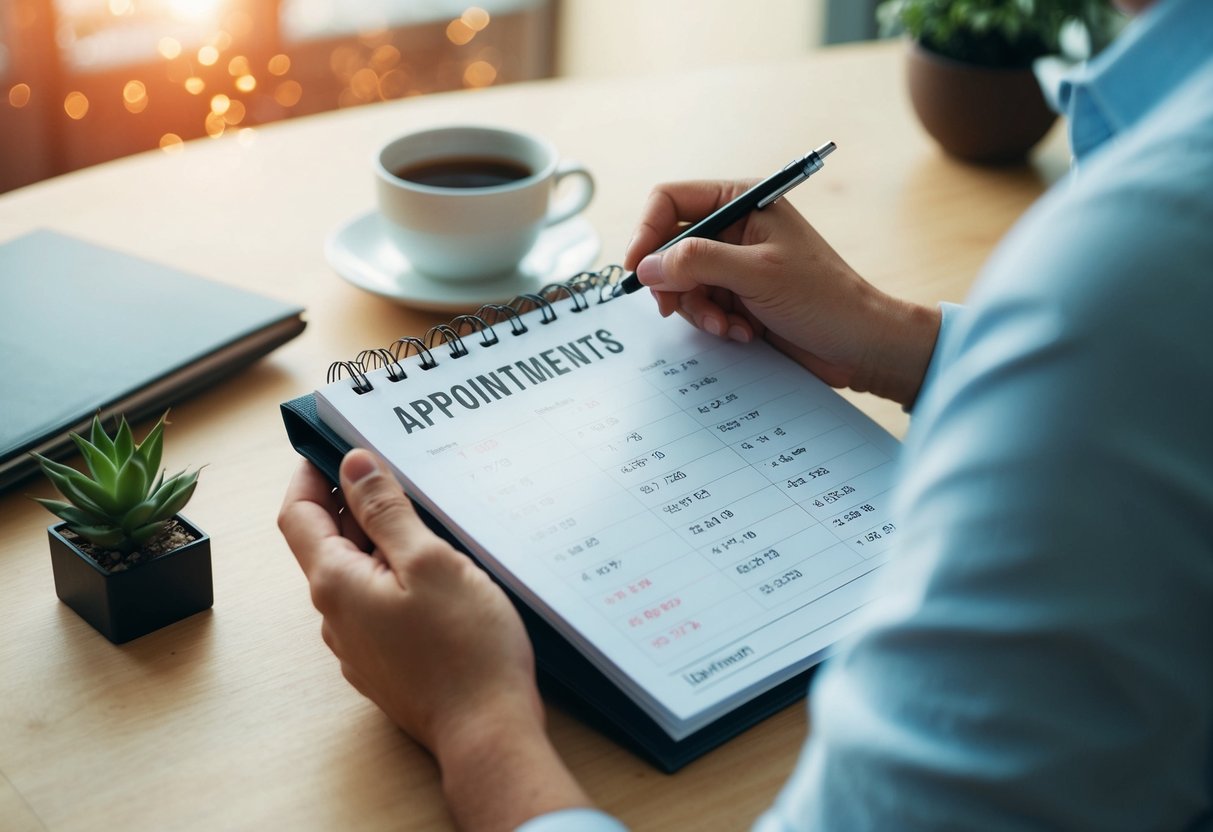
(566, 677)
(85, 330)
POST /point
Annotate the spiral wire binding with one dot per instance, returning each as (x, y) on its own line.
(517, 327)
(480, 324)
(449, 337)
(377, 357)
(536, 301)
(400, 350)
(392, 357)
(361, 383)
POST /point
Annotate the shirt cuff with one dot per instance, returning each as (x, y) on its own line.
(949, 314)
(573, 820)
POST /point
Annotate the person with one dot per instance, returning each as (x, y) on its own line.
(1044, 655)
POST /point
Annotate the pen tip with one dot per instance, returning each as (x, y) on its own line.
(626, 286)
(826, 149)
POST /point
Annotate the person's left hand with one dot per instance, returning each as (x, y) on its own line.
(429, 638)
(418, 627)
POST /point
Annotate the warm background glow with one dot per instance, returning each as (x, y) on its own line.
(130, 75)
(142, 74)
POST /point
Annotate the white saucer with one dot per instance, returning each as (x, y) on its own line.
(362, 253)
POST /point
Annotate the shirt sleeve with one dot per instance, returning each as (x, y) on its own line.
(1041, 658)
(949, 314)
(573, 820)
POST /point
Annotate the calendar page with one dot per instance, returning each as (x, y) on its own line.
(702, 519)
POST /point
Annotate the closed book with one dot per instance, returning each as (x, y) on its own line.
(88, 330)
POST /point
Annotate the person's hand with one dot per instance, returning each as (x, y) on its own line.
(429, 638)
(772, 276)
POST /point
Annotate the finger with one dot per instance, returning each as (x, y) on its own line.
(671, 206)
(376, 500)
(308, 484)
(695, 262)
(329, 636)
(308, 515)
(667, 302)
(705, 312)
(357, 681)
(351, 529)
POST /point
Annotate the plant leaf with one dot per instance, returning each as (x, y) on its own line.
(131, 487)
(179, 496)
(124, 443)
(152, 445)
(74, 515)
(145, 533)
(101, 439)
(165, 488)
(77, 487)
(139, 515)
(103, 468)
(105, 536)
(84, 504)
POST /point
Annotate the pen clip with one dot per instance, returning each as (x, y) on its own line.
(767, 200)
(809, 165)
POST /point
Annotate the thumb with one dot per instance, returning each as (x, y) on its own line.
(697, 261)
(377, 501)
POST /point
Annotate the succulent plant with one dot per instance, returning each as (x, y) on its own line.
(123, 505)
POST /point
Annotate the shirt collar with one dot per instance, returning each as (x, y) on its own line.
(1152, 57)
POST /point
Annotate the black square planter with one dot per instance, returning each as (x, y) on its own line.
(128, 604)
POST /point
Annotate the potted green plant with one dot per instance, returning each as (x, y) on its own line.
(124, 558)
(970, 66)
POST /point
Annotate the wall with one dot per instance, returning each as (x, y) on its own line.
(599, 38)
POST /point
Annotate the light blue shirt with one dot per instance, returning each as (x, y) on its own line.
(1043, 658)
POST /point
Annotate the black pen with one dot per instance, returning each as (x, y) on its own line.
(755, 199)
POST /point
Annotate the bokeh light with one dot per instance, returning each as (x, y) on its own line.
(171, 143)
(157, 56)
(235, 113)
(19, 95)
(134, 96)
(475, 18)
(479, 74)
(459, 33)
(288, 93)
(214, 125)
(75, 104)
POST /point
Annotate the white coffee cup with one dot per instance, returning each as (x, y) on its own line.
(453, 230)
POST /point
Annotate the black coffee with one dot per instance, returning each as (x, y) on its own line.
(464, 172)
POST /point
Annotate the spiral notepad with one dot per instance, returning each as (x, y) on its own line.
(700, 519)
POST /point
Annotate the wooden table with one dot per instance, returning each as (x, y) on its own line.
(238, 718)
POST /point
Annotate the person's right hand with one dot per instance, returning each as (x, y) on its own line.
(772, 276)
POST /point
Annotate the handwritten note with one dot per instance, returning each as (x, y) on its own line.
(701, 518)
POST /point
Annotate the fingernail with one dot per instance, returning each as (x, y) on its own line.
(359, 465)
(739, 333)
(649, 270)
(713, 326)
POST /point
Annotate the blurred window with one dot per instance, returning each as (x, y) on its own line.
(310, 19)
(85, 81)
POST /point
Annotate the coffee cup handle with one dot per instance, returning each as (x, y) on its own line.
(574, 202)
